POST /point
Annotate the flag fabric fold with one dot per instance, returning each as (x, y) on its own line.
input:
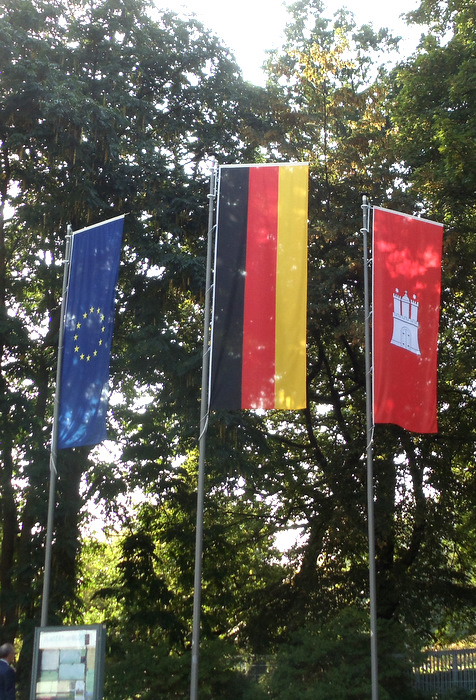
(258, 356)
(406, 304)
(88, 329)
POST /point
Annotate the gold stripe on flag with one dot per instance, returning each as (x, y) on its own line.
(291, 288)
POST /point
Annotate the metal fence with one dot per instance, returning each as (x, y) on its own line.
(445, 671)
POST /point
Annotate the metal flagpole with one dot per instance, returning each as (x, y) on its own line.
(370, 484)
(197, 590)
(54, 442)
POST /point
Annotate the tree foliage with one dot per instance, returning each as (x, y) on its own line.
(103, 110)
(108, 108)
(332, 662)
(434, 137)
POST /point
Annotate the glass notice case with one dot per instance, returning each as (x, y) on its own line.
(68, 663)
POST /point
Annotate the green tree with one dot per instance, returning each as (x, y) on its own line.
(331, 662)
(103, 110)
(147, 596)
(339, 114)
(336, 117)
(435, 128)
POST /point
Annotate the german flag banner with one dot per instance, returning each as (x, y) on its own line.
(258, 355)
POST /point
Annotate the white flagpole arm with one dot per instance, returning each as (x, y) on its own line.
(369, 450)
(54, 442)
(197, 594)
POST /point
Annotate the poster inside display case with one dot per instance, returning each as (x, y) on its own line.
(68, 663)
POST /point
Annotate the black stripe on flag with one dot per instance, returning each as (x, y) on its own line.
(229, 292)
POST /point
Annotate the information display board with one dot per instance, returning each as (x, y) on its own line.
(68, 663)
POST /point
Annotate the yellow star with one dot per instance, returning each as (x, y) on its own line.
(95, 353)
(76, 349)
(78, 325)
(98, 310)
(85, 315)
(100, 342)
(102, 317)
(81, 357)
(103, 329)
(91, 309)
(88, 358)
(75, 336)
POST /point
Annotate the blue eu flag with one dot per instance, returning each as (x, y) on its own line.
(88, 327)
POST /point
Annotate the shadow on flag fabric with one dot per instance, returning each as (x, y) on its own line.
(258, 357)
(406, 306)
(88, 328)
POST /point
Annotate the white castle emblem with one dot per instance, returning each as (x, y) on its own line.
(405, 322)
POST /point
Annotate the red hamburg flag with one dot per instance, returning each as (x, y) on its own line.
(406, 303)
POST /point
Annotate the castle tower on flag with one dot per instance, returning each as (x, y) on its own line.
(405, 322)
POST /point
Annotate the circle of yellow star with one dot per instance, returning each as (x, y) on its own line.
(96, 314)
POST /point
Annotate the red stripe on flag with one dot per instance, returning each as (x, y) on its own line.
(259, 321)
